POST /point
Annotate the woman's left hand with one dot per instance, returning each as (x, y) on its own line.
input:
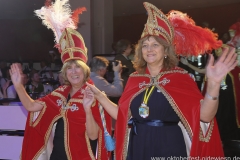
(88, 99)
(216, 71)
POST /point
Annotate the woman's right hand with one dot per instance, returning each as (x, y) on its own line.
(16, 74)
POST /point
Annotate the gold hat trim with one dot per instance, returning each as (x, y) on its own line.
(152, 27)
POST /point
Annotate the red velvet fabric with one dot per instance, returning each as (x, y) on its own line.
(75, 55)
(185, 98)
(73, 46)
(36, 137)
(186, 32)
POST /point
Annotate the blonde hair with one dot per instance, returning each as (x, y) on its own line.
(81, 64)
(140, 64)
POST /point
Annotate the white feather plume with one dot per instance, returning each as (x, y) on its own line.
(56, 17)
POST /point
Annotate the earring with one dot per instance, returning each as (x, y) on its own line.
(165, 56)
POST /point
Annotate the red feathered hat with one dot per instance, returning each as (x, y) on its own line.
(179, 30)
(157, 24)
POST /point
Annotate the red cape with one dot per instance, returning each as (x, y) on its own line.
(184, 97)
(76, 141)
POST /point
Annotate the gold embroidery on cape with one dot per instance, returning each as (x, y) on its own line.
(78, 100)
(46, 137)
(171, 101)
(59, 95)
(175, 70)
(60, 89)
(48, 132)
(90, 152)
(125, 146)
(31, 118)
(209, 133)
(99, 144)
(66, 135)
(235, 99)
(178, 111)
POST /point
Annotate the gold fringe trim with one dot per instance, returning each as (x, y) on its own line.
(168, 97)
(46, 137)
(66, 135)
(89, 147)
(34, 123)
(100, 144)
(175, 70)
(59, 95)
(77, 100)
(209, 133)
(178, 111)
(125, 147)
(171, 101)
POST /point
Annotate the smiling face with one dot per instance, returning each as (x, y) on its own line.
(153, 51)
(75, 72)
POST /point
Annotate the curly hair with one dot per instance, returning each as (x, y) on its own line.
(81, 64)
(140, 64)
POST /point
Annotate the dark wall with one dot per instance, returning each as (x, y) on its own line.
(219, 17)
(21, 38)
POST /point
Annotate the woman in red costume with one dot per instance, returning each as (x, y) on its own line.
(62, 125)
(161, 103)
(78, 121)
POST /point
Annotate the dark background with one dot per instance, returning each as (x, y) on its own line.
(24, 38)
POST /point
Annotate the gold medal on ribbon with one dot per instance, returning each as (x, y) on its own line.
(144, 109)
